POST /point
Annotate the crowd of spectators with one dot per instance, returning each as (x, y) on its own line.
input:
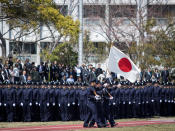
(15, 71)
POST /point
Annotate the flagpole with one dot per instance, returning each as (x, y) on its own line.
(80, 42)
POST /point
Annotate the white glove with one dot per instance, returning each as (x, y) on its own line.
(139, 103)
(152, 100)
(47, 104)
(5, 104)
(172, 101)
(14, 104)
(134, 102)
(146, 102)
(124, 102)
(111, 98)
(0, 103)
(129, 103)
(59, 105)
(165, 100)
(36, 103)
(160, 101)
(97, 97)
(53, 104)
(30, 104)
(73, 103)
(168, 101)
(113, 103)
(39, 104)
(68, 104)
(78, 104)
(21, 104)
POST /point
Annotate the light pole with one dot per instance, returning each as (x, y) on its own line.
(80, 41)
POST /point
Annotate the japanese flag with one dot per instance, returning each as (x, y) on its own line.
(121, 64)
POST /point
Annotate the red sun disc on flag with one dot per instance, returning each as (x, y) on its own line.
(125, 65)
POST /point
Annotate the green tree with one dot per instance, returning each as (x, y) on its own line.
(63, 53)
(159, 49)
(29, 15)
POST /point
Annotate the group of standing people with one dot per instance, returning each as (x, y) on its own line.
(98, 102)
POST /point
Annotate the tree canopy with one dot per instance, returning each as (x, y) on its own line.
(29, 15)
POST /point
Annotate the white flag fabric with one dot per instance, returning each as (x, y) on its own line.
(121, 64)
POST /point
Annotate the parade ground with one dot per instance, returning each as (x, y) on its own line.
(151, 124)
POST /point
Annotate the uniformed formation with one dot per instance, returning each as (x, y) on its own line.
(98, 103)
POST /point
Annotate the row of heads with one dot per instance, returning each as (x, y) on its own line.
(137, 83)
(57, 83)
(107, 82)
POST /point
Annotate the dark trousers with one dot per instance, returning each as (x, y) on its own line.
(109, 112)
(92, 114)
(44, 112)
(10, 112)
(27, 112)
(64, 110)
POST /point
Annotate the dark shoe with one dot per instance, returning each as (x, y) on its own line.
(100, 126)
(106, 125)
(114, 125)
(85, 126)
(91, 125)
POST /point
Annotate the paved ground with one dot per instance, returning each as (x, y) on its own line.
(78, 126)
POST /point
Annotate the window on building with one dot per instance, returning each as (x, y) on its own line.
(44, 45)
(161, 11)
(94, 11)
(30, 48)
(15, 47)
(122, 11)
(21, 47)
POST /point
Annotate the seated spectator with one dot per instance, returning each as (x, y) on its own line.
(11, 74)
(29, 79)
(35, 75)
(16, 73)
(70, 79)
(23, 77)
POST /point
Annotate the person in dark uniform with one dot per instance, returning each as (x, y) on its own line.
(82, 101)
(108, 105)
(93, 113)
(137, 100)
(72, 101)
(10, 102)
(19, 105)
(36, 99)
(163, 100)
(44, 102)
(28, 102)
(143, 102)
(157, 95)
(64, 102)
(130, 100)
(127, 103)
(117, 100)
(58, 102)
(99, 105)
(52, 101)
(122, 100)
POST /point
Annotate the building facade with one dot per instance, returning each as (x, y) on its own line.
(106, 20)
